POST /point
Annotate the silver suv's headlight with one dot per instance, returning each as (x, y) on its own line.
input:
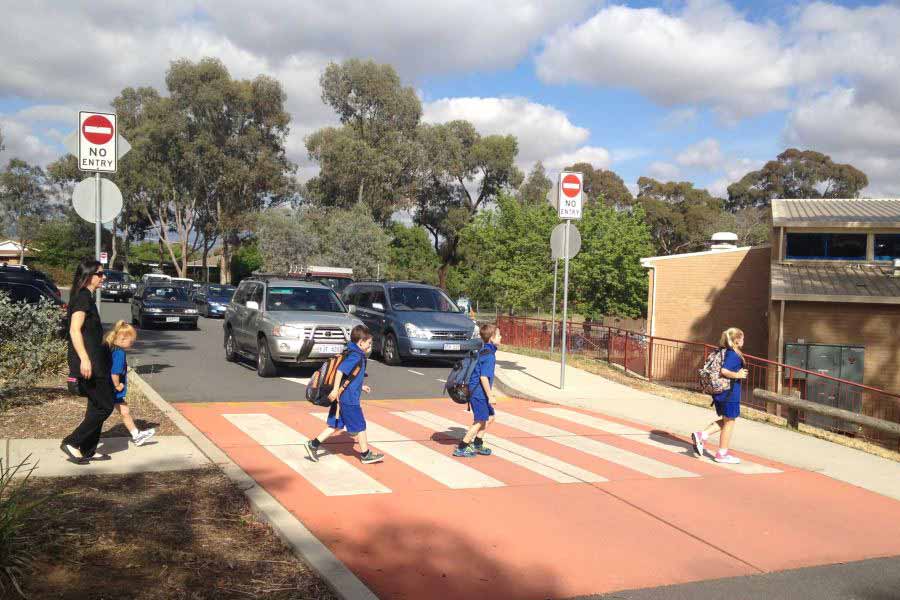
(154, 310)
(190, 311)
(287, 331)
(414, 331)
(476, 331)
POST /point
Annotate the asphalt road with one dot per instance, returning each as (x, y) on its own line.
(190, 366)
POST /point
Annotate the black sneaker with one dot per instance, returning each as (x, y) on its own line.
(371, 457)
(311, 452)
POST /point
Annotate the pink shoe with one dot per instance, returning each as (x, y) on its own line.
(726, 458)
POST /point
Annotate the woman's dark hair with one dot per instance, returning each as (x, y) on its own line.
(83, 273)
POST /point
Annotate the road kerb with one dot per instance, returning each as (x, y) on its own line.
(304, 544)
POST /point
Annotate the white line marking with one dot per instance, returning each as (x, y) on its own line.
(622, 457)
(332, 475)
(416, 372)
(671, 444)
(300, 380)
(442, 380)
(443, 468)
(538, 462)
(95, 129)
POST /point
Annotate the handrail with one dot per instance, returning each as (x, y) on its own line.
(796, 404)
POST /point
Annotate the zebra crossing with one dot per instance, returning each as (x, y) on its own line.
(527, 441)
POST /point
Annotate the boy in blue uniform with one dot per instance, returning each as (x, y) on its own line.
(346, 410)
(481, 390)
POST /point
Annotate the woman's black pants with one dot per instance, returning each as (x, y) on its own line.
(99, 407)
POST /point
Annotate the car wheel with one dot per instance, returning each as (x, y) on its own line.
(391, 351)
(265, 367)
(230, 350)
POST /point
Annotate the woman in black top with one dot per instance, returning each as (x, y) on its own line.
(89, 359)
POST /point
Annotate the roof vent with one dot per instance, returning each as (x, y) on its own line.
(723, 240)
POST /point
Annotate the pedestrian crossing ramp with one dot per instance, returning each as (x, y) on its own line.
(339, 474)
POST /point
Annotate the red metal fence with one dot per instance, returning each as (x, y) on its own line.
(676, 363)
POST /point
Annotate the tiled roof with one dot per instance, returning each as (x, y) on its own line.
(837, 213)
(835, 283)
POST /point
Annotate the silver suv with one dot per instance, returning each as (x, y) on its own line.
(285, 321)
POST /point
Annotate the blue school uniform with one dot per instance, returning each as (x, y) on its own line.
(728, 403)
(478, 400)
(119, 367)
(351, 415)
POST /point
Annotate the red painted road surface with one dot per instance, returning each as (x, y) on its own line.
(506, 527)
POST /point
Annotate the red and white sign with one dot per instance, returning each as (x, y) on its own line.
(570, 195)
(97, 142)
(104, 258)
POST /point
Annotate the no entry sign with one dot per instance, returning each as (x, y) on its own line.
(97, 142)
(570, 193)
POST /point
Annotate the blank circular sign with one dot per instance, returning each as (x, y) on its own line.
(110, 200)
(558, 238)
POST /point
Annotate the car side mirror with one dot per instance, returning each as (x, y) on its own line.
(252, 305)
(378, 306)
(351, 308)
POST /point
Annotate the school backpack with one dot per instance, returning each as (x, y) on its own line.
(322, 381)
(711, 380)
(457, 386)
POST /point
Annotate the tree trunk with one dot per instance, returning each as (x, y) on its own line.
(205, 266)
(160, 252)
(362, 184)
(224, 265)
(21, 252)
(442, 275)
(126, 249)
(112, 255)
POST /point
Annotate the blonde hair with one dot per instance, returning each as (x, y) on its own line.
(120, 328)
(727, 341)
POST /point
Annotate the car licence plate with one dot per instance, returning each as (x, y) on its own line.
(451, 347)
(171, 319)
(328, 348)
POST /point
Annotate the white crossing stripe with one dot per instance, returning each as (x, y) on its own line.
(300, 380)
(332, 475)
(538, 462)
(415, 372)
(671, 444)
(441, 467)
(614, 454)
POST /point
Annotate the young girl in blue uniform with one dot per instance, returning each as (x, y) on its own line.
(727, 403)
(120, 338)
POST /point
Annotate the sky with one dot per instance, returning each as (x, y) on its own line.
(693, 90)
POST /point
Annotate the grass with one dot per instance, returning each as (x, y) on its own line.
(16, 505)
(603, 369)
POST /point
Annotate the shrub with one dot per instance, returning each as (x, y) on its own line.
(31, 346)
(15, 508)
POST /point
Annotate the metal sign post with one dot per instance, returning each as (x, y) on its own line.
(553, 312)
(98, 229)
(570, 194)
(562, 371)
(558, 249)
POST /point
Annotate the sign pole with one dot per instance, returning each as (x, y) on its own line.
(562, 369)
(98, 228)
(553, 312)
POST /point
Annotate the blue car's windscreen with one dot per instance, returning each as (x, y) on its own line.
(302, 298)
(422, 299)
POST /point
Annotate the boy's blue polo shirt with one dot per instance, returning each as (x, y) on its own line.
(120, 367)
(484, 367)
(356, 356)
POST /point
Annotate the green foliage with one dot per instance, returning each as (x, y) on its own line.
(23, 200)
(602, 185)
(536, 187)
(15, 509)
(412, 255)
(796, 174)
(30, 344)
(606, 276)
(681, 217)
(245, 260)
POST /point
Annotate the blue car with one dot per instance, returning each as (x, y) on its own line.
(412, 321)
(211, 299)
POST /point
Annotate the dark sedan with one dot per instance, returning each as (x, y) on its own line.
(163, 304)
(211, 299)
(117, 285)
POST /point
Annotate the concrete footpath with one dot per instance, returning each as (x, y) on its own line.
(538, 379)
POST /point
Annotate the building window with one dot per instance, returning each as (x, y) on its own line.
(826, 246)
(887, 246)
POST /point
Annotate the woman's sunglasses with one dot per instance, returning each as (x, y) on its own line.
(100, 274)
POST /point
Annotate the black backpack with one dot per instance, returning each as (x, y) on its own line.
(457, 386)
(322, 381)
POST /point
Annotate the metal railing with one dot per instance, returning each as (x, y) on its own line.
(676, 363)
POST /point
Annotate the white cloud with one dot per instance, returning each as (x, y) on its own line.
(542, 131)
(21, 142)
(679, 118)
(705, 154)
(599, 158)
(705, 54)
(663, 171)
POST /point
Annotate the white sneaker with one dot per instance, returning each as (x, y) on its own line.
(728, 459)
(697, 439)
(144, 436)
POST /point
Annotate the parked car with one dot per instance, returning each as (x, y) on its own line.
(211, 299)
(412, 320)
(183, 282)
(26, 274)
(155, 277)
(117, 285)
(163, 304)
(35, 292)
(285, 321)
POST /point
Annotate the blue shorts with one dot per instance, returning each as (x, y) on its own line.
(351, 418)
(732, 410)
(481, 409)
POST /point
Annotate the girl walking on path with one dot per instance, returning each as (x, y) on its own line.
(118, 340)
(90, 359)
(727, 403)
